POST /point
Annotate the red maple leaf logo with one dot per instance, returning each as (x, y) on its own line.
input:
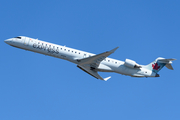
(155, 66)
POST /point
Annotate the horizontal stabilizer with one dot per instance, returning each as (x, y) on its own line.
(162, 60)
(171, 59)
(168, 62)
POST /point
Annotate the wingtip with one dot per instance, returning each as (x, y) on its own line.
(113, 50)
(105, 79)
(117, 47)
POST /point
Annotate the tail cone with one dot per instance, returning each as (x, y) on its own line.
(157, 75)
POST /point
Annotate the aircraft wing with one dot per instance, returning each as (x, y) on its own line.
(95, 60)
(90, 64)
(92, 73)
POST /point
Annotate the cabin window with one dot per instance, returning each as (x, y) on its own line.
(64, 49)
(108, 60)
(72, 51)
(68, 50)
(79, 52)
(75, 52)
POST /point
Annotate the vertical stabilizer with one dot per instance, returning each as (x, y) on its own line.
(159, 63)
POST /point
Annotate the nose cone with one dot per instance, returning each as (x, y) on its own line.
(8, 41)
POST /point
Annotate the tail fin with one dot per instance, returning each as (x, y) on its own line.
(159, 63)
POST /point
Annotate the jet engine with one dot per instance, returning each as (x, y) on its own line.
(131, 64)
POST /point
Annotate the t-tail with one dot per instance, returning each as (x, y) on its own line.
(159, 63)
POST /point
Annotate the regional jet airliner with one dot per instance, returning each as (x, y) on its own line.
(92, 63)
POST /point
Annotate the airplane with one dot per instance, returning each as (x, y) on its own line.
(92, 63)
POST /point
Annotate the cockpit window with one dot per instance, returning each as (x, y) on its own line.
(18, 37)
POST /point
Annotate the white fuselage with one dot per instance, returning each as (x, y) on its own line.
(72, 55)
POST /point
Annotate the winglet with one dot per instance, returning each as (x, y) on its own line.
(105, 79)
(113, 50)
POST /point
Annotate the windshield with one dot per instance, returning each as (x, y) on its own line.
(18, 37)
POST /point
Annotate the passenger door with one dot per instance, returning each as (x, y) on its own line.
(26, 41)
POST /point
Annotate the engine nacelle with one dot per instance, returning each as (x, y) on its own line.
(131, 64)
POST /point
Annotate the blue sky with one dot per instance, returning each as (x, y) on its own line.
(34, 86)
